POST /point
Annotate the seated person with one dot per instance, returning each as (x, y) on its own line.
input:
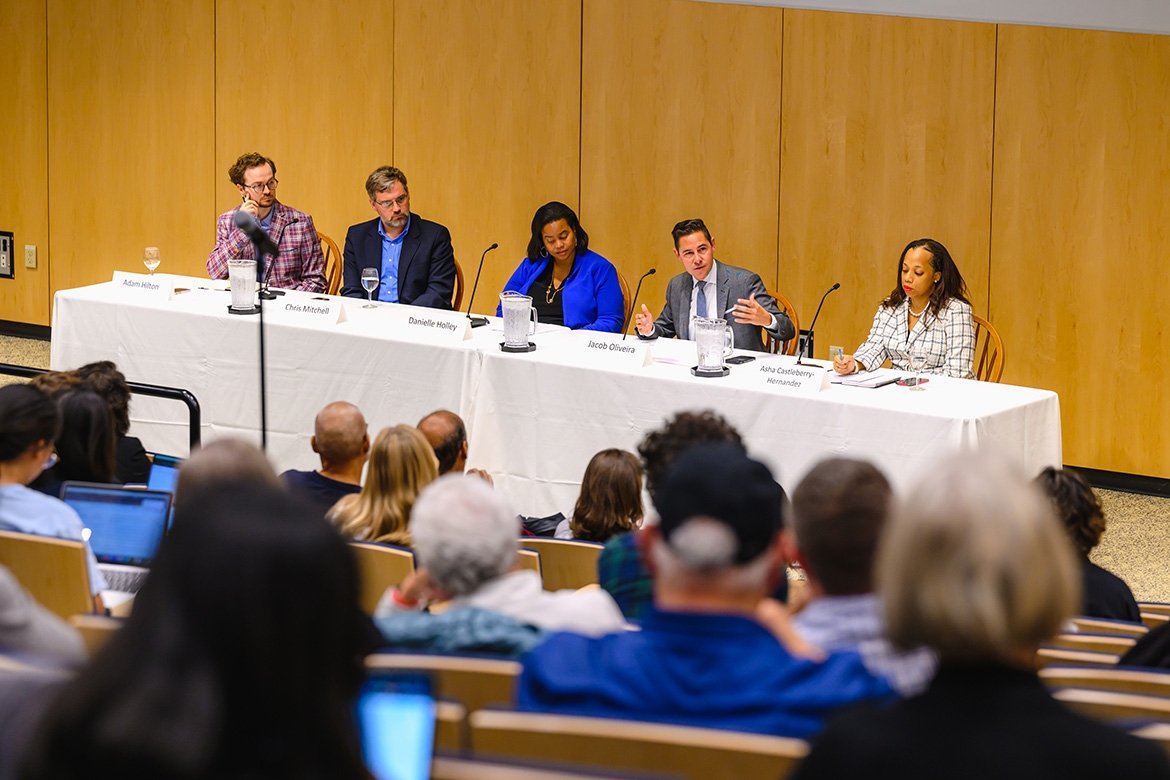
(569, 283)
(131, 465)
(466, 539)
(86, 444)
(414, 258)
(975, 565)
(242, 657)
(29, 423)
(702, 658)
(341, 440)
(712, 289)
(301, 263)
(401, 465)
(1105, 595)
(447, 435)
(610, 501)
(31, 633)
(927, 313)
(838, 513)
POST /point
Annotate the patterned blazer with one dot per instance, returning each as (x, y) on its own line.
(300, 265)
(947, 340)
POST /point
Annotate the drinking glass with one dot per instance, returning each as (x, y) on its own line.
(917, 363)
(370, 283)
(151, 259)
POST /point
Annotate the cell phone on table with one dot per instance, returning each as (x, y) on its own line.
(396, 718)
(736, 360)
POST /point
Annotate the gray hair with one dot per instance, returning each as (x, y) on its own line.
(464, 533)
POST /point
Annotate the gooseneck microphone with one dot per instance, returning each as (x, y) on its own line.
(634, 303)
(251, 227)
(800, 355)
(478, 321)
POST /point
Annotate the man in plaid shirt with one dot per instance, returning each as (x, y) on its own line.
(301, 264)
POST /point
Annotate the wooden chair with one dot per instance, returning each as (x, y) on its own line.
(1123, 680)
(989, 352)
(1111, 627)
(54, 571)
(473, 682)
(564, 563)
(1154, 619)
(380, 566)
(626, 314)
(334, 263)
(783, 347)
(1114, 706)
(453, 768)
(457, 292)
(95, 630)
(529, 559)
(1094, 643)
(633, 746)
(451, 735)
(1154, 607)
(1047, 656)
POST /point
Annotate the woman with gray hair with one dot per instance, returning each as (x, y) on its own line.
(975, 565)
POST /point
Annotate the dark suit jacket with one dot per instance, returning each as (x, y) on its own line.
(426, 268)
(731, 284)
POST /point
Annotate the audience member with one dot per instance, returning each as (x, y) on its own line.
(839, 511)
(620, 568)
(220, 462)
(974, 564)
(85, 445)
(466, 539)
(342, 441)
(241, 659)
(1105, 595)
(29, 424)
(448, 438)
(610, 501)
(401, 465)
(30, 632)
(131, 463)
(701, 658)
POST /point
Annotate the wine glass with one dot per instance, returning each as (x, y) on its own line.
(917, 363)
(151, 259)
(369, 283)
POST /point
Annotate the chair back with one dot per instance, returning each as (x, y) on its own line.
(380, 566)
(457, 292)
(783, 347)
(564, 563)
(54, 571)
(626, 313)
(529, 559)
(634, 746)
(1047, 656)
(989, 351)
(95, 630)
(1093, 643)
(1119, 680)
(473, 682)
(333, 263)
(1114, 706)
(1092, 625)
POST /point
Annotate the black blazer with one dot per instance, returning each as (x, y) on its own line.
(426, 268)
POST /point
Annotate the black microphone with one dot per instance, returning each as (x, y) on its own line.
(807, 341)
(478, 321)
(634, 302)
(251, 227)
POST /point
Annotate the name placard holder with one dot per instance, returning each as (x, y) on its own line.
(418, 323)
(790, 378)
(144, 286)
(290, 310)
(610, 351)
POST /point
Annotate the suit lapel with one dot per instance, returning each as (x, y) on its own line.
(372, 248)
(279, 222)
(723, 291)
(683, 306)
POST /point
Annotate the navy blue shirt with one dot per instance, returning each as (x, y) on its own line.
(322, 491)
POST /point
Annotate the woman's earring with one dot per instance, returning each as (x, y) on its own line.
(544, 253)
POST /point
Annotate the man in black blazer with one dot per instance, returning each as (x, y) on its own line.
(414, 258)
(713, 289)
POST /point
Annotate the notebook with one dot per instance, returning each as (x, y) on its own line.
(124, 527)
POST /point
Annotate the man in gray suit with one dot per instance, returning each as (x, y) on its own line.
(707, 288)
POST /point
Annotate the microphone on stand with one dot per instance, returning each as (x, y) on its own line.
(634, 302)
(264, 246)
(808, 341)
(478, 321)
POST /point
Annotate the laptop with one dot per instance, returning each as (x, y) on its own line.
(124, 527)
(164, 475)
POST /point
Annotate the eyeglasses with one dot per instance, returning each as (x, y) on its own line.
(256, 189)
(399, 201)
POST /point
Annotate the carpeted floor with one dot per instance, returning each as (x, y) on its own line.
(1136, 545)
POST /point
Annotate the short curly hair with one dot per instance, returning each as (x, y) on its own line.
(246, 161)
(1076, 505)
(686, 429)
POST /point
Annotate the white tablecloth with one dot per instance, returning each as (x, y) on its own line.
(534, 419)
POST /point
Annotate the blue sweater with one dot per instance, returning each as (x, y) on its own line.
(592, 295)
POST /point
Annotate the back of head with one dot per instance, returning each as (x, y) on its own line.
(104, 378)
(27, 416)
(464, 533)
(87, 442)
(610, 501)
(838, 512)
(401, 464)
(242, 656)
(445, 432)
(974, 564)
(1076, 505)
(221, 462)
(339, 432)
(660, 447)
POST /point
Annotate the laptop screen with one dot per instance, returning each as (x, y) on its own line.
(125, 525)
(164, 472)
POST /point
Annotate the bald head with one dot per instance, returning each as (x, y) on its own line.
(339, 435)
(447, 436)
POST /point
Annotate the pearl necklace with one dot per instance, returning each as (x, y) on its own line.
(913, 313)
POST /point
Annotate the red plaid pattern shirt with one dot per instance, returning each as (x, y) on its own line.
(300, 265)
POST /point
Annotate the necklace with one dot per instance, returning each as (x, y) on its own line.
(913, 313)
(550, 292)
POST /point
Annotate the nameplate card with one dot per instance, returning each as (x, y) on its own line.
(310, 312)
(418, 323)
(610, 351)
(143, 286)
(790, 378)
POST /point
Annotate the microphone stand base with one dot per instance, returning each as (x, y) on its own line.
(478, 322)
(270, 295)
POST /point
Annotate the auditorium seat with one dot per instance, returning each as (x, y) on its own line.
(565, 564)
(1093, 625)
(380, 566)
(471, 681)
(53, 571)
(1125, 679)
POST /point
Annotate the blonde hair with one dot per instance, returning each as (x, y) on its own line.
(975, 565)
(401, 464)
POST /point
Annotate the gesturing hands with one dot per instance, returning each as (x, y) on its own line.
(644, 321)
(748, 311)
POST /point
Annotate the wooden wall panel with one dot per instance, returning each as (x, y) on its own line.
(680, 119)
(24, 198)
(887, 133)
(130, 136)
(311, 85)
(487, 126)
(1081, 222)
